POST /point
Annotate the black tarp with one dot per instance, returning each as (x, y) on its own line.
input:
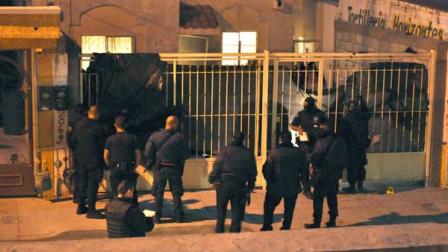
(130, 84)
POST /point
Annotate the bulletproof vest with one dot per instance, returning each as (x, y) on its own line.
(116, 219)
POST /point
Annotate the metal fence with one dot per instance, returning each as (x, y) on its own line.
(262, 97)
(220, 100)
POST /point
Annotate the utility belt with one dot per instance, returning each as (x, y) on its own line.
(122, 167)
(161, 164)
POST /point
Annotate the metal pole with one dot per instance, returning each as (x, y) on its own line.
(428, 142)
(320, 84)
(265, 108)
(274, 105)
(34, 111)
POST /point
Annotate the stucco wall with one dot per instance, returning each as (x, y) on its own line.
(153, 23)
(275, 28)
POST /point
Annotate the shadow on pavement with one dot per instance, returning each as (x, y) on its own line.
(396, 218)
(410, 249)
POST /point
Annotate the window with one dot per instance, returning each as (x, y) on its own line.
(304, 46)
(103, 44)
(238, 42)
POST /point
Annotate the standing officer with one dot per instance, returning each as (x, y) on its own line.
(88, 140)
(165, 153)
(303, 122)
(80, 113)
(355, 130)
(327, 159)
(233, 176)
(124, 217)
(286, 172)
(121, 154)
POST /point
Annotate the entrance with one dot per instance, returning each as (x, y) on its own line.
(16, 172)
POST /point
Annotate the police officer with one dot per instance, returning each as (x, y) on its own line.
(165, 154)
(87, 140)
(355, 130)
(80, 113)
(327, 159)
(123, 216)
(121, 154)
(303, 122)
(233, 176)
(286, 172)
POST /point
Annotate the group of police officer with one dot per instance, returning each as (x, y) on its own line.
(317, 163)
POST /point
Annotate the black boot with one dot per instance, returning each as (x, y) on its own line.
(82, 209)
(312, 225)
(92, 213)
(331, 223)
(360, 186)
(351, 189)
(266, 228)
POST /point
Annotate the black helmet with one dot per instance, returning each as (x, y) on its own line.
(311, 101)
(285, 137)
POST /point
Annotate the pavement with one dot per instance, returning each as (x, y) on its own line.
(412, 216)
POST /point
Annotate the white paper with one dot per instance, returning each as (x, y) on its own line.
(149, 213)
(303, 137)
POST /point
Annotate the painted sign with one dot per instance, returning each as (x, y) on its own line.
(397, 16)
(365, 17)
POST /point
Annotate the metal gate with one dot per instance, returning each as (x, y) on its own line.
(262, 97)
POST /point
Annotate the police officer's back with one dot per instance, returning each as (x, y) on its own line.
(233, 175)
(286, 173)
(328, 159)
(121, 154)
(165, 154)
(87, 141)
(355, 130)
(124, 218)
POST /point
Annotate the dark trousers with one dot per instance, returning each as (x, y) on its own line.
(116, 177)
(271, 202)
(173, 176)
(225, 193)
(89, 179)
(356, 173)
(325, 188)
(75, 186)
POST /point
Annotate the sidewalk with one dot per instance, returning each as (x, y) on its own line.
(32, 219)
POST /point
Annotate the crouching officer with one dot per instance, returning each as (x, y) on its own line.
(121, 154)
(327, 159)
(286, 172)
(123, 216)
(165, 154)
(233, 176)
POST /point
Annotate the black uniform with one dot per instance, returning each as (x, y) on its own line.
(355, 130)
(74, 180)
(328, 159)
(305, 119)
(165, 152)
(285, 171)
(122, 147)
(125, 219)
(234, 173)
(87, 140)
